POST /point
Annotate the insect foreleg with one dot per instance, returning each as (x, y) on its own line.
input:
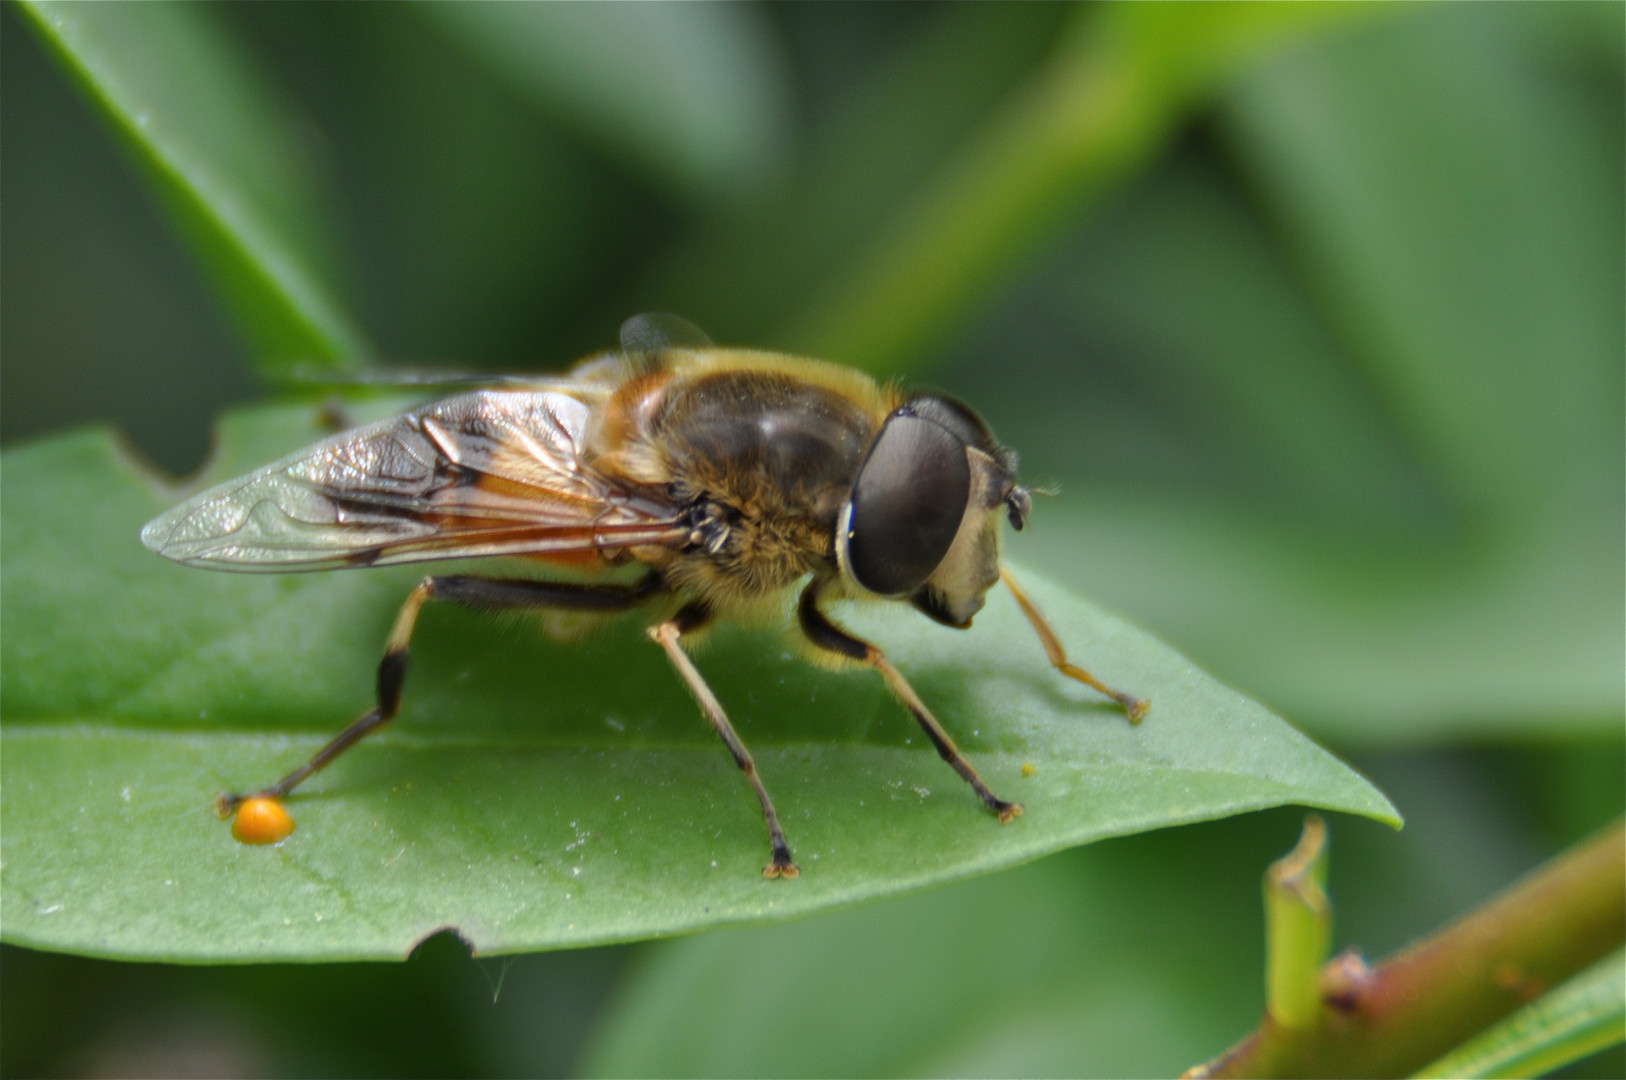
(1135, 708)
(667, 635)
(482, 594)
(827, 635)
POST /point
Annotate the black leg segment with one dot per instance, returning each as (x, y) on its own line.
(520, 594)
(481, 594)
(832, 638)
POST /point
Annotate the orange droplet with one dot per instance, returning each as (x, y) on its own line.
(262, 821)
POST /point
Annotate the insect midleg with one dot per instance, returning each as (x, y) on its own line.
(667, 635)
(827, 635)
(482, 594)
(1135, 708)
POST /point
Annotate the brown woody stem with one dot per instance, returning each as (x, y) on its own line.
(1394, 1019)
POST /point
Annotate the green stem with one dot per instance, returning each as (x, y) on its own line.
(1298, 923)
(1394, 1019)
(1107, 101)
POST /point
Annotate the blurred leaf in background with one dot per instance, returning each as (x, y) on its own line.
(224, 160)
(1375, 383)
(1323, 351)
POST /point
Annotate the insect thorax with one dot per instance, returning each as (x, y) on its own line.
(765, 459)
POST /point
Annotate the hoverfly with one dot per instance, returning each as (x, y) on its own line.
(730, 477)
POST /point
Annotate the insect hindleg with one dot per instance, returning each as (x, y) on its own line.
(482, 594)
(1135, 708)
(827, 635)
(667, 635)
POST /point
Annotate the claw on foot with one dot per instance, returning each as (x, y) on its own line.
(777, 869)
(1008, 812)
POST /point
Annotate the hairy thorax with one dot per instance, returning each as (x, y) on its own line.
(764, 461)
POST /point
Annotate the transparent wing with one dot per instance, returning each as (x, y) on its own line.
(429, 380)
(653, 332)
(483, 474)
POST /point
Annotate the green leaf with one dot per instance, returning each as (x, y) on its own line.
(694, 95)
(1357, 446)
(222, 158)
(532, 794)
(1583, 1016)
(1095, 962)
(1459, 275)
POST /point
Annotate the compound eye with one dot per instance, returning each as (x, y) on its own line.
(906, 505)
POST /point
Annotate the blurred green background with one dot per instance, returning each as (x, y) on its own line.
(1312, 318)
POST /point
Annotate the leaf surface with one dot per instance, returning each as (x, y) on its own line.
(532, 794)
(696, 96)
